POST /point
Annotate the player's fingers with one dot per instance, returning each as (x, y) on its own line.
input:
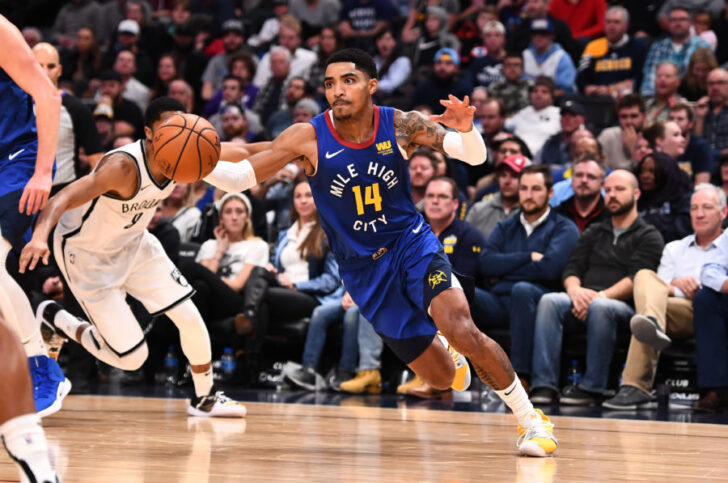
(435, 117)
(46, 257)
(43, 199)
(445, 102)
(466, 101)
(33, 261)
(23, 200)
(33, 202)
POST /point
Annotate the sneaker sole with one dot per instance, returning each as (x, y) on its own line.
(219, 412)
(629, 407)
(63, 389)
(533, 448)
(645, 331)
(303, 385)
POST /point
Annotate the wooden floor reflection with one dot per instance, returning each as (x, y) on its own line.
(125, 439)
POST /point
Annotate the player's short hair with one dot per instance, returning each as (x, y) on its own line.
(158, 106)
(361, 60)
(541, 169)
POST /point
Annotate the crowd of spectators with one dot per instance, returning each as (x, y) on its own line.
(605, 123)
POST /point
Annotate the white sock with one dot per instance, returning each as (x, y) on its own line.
(68, 323)
(24, 439)
(202, 381)
(516, 398)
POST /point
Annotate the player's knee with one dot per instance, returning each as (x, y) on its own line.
(464, 336)
(443, 378)
(135, 359)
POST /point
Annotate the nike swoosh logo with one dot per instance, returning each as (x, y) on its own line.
(328, 154)
(509, 392)
(14, 155)
(417, 230)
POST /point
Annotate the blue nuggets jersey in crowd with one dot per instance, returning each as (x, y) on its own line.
(362, 191)
(18, 136)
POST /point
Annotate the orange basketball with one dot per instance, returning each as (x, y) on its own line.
(186, 147)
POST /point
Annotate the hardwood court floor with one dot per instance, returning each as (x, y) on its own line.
(130, 439)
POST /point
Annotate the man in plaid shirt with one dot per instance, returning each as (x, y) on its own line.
(677, 48)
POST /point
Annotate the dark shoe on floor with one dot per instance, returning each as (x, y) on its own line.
(244, 325)
(338, 377)
(710, 402)
(544, 395)
(629, 397)
(576, 396)
(646, 330)
(305, 378)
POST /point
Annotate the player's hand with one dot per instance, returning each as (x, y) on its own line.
(458, 114)
(35, 194)
(32, 252)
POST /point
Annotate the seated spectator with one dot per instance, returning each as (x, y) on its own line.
(697, 159)
(583, 145)
(539, 121)
(488, 69)
(503, 145)
(713, 8)
(543, 57)
(422, 168)
(667, 80)
(712, 116)
(71, 17)
(586, 206)
(128, 119)
(182, 91)
(444, 80)
(305, 110)
(612, 65)
(513, 90)
(82, 63)
(522, 260)
(127, 38)
(270, 96)
(368, 378)
(393, 66)
(598, 283)
(179, 209)
(486, 214)
(232, 123)
(677, 48)
(133, 89)
(316, 15)
(619, 142)
(329, 42)
(555, 151)
(519, 39)
(224, 264)
(665, 198)
(585, 18)
(192, 62)
(361, 20)
(345, 311)
(167, 71)
(701, 24)
(269, 30)
(664, 300)
(232, 93)
(300, 59)
(243, 67)
(694, 84)
(296, 90)
(430, 39)
(153, 40)
(302, 275)
(233, 38)
(709, 320)
(491, 117)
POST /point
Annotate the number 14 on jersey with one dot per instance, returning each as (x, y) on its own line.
(371, 197)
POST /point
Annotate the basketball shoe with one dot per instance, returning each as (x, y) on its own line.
(216, 405)
(462, 368)
(538, 439)
(50, 386)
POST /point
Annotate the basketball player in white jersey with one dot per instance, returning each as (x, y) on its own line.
(104, 252)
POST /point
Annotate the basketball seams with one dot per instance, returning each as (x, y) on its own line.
(202, 156)
(181, 152)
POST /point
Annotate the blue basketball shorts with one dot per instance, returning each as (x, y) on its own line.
(394, 292)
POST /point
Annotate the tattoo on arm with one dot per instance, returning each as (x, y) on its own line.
(412, 128)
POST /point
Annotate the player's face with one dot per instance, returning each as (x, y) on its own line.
(234, 216)
(439, 202)
(303, 201)
(532, 193)
(348, 90)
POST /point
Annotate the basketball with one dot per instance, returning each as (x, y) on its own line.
(186, 147)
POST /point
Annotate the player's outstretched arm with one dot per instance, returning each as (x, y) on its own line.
(297, 141)
(18, 61)
(414, 129)
(116, 174)
(236, 152)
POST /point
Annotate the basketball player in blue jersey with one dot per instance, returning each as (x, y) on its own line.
(390, 262)
(28, 142)
(27, 151)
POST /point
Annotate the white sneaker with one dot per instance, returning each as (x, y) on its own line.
(462, 368)
(538, 439)
(216, 405)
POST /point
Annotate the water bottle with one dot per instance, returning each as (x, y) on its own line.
(227, 363)
(170, 365)
(574, 373)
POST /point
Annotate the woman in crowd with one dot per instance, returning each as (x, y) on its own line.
(394, 68)
(241, 65)
(180, 210)
(665, 188)
(329, 42)
(695, 83)
(82, 63)
(167, 71)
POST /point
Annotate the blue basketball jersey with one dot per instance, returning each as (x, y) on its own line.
(362, 191)
(18, 136)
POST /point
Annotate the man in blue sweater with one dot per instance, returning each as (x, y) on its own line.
(522, 260)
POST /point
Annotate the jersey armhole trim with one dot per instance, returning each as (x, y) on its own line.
(139, 180)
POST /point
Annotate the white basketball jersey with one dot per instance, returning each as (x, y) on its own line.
(109, 224)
